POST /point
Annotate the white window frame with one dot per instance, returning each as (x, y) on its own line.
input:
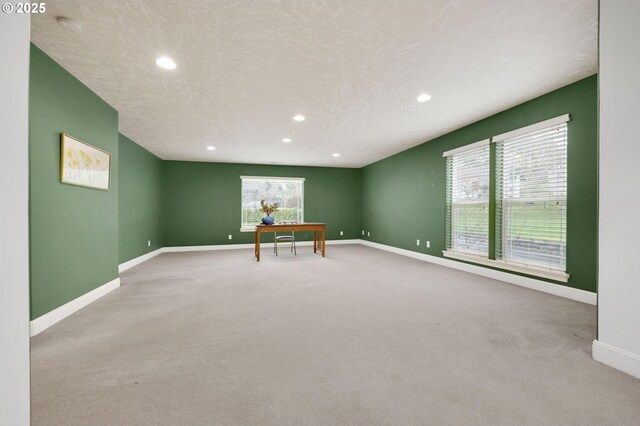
(510, 265)
(480, 144)
(556, 121)
(242, 178)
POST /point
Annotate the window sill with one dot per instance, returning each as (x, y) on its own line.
(252, 229)
(509, 266)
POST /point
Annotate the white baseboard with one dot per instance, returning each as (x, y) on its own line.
(616, 358)
(248, 246)
(206, 248)
(532, 283)
(138, 260)
(50, 318)
(336, 242)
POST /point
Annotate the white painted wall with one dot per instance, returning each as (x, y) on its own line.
(618, 341)
(14, 231)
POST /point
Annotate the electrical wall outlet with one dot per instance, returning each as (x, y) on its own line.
(149, 243)
(428, 244)
(230, 236)
(341, 233)
(417, 242)
(368, 234)
(363, 232)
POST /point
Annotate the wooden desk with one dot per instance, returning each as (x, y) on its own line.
(317, 228)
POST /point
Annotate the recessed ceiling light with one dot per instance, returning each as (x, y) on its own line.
(299, 117)
(424, 97)
(211, 148)
(286, 140)
(166, 63)
(336, 155)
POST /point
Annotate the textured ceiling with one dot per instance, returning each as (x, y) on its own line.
(353, 68)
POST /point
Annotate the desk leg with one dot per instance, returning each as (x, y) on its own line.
(315, 240)
(323, 241)
(257, 246)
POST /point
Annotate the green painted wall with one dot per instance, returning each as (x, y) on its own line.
(139, 200)
(73, 230)
(403, 196)
(201, 201)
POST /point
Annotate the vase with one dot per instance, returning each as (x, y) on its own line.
(268, 220)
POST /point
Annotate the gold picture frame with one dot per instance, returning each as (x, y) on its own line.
(82, 164)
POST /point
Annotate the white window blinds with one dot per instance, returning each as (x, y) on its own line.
(468, 200)
(287, 192)
(531, 197)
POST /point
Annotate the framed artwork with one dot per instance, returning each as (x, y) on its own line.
(84, 165)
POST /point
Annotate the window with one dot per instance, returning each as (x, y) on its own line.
(287, 192)
(468, 199)
(530, 193)
(531, 201)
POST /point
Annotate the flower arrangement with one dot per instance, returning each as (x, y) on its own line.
(267, 208)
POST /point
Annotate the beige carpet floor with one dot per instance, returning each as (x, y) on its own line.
(362, 337)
